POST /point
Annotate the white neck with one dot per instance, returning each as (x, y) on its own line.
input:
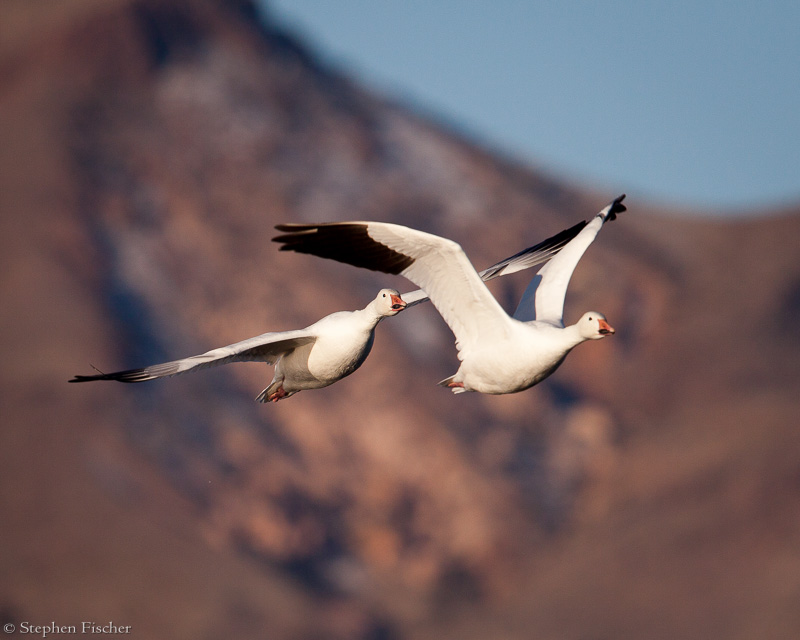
(369, 315)
(572, 336)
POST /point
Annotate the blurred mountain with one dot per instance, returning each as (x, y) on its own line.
(147, 148)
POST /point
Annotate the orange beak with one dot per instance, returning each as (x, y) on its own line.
(398, 303)
(605, 328)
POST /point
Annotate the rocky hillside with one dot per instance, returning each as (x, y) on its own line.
(147, 149)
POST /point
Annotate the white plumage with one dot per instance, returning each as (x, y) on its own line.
(331, 348)
(499, 353)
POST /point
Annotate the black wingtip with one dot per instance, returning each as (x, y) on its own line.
(616, 207)
(101, 375)
(347, 242)
(132, 375)
(91, 378)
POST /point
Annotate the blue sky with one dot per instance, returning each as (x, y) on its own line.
(690, 104)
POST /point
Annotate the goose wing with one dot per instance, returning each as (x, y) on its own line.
(268, 347)
(437, 265)
(525, 259)
(543, 300)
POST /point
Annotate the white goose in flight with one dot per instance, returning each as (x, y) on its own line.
(331, 348)
(499, 353)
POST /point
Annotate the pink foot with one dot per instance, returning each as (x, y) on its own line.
(456, 384)
(277, 395)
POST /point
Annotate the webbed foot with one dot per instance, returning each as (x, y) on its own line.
(278, 394)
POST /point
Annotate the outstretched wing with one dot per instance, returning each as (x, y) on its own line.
(267, 347)
(544, 298)
(525, 259)
(437, 265)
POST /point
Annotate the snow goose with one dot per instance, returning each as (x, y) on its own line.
(499, 353)
(333, 347)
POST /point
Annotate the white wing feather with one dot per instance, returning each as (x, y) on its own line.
(267, 347)
(543, 299)
(525, 259)
(443, 271)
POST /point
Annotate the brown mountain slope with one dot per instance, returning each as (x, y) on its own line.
(649, 489)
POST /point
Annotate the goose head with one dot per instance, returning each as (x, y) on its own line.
(388, 303)
(594, 326)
